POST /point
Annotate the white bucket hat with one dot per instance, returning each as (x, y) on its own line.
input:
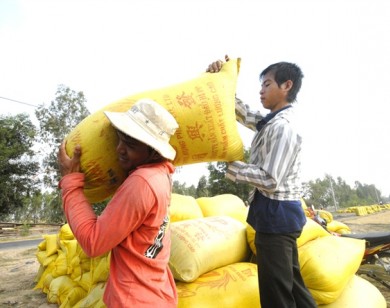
(148, 122)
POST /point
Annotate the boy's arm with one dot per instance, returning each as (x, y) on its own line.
(245, 116)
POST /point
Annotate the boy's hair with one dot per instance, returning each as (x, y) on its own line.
(284, 71)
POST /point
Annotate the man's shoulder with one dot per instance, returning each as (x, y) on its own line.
(150, 171)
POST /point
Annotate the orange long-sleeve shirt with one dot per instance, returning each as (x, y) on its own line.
(134, 226)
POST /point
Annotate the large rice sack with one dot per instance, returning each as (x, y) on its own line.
(65, 233)
(223, 205)
(100, 268)
(311, 230)
(51, 244)
(234, 285)
(183, 208)
(338, 227)
(204, 110)
(203, 244)
(43, 276)
(43, 259)
(60, 265)
(358, 293)
(94, 299)
(325, 215)
(327, 265)
(59, 289)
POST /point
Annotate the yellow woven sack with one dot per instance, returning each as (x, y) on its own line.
(234, 285)
(203, 244)
(46, 283)
(59, 289)
(250, 237)
(328, 263)
(66, 233)
(44, 259)
(311, 230)
(51, 244)
(204, 110)
(72, 250)
(72, 297)
(60, 265)
(42, 246)
(39, 274)
(223, 205)
(358, 293)
(94, 299)
(338, 227)
(183, 208)
(42, 276)
(325, 215)
(86, 281)
(100, 268)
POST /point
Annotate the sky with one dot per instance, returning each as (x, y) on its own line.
(112, 49)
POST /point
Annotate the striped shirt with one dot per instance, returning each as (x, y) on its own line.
(274, 164)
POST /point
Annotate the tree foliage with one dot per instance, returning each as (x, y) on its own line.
(330, 192)
(55, 123)
(182, 189)
(18, 170)
(215, 183)
(218, 184)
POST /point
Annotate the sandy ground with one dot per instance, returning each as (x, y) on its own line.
(20, 266)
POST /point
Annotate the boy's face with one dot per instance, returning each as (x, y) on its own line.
(272, 96)
(131, 152)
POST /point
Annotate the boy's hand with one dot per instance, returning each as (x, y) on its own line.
(69, 165)
(216, 66)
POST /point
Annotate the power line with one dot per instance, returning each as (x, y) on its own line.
(13, 100)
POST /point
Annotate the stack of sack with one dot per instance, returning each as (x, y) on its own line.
(365, 209)
(211, 253)
(332, 225)
(67, 275)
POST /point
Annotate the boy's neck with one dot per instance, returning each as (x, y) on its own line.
(280, 106)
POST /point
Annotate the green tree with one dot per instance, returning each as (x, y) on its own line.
(202, 188)
(182, 189)
(369, 194)
(18, 170)
(325, 192)
(218, 184)
(55, 122)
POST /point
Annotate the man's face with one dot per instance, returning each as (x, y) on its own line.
(131, 152)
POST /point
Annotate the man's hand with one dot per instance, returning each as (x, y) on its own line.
(216, 66)
(69, 165)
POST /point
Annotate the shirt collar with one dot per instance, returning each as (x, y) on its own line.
(268, 117)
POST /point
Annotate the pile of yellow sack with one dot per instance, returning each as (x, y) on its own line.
(365, 209)
(67, 275)
(331, 224)
(211, 253)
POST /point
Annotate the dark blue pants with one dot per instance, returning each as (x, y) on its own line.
(280, 281)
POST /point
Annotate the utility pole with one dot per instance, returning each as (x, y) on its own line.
(376, 193)
(334, 198)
